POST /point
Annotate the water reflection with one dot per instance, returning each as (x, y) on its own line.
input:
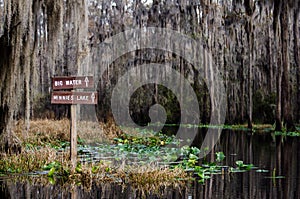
(280, 156)
(275, 154)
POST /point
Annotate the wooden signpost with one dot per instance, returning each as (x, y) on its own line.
(71, 82)
(73, 98)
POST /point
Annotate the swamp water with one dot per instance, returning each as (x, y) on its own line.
(277, 174)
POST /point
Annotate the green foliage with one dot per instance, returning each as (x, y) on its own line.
(284, 133)
(54, 164)
(189, 157)
(207, 169)
(203, 173)
(56, 168)
(220, 156)
(242, 167)
(154, 140)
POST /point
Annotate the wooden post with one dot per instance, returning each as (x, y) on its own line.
(74, 193)
(74, 98)
(73, 136)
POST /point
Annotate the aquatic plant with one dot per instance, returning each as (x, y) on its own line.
(140, 158)
(243, 167)
(291, 134)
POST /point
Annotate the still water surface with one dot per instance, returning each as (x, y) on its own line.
(279, 155)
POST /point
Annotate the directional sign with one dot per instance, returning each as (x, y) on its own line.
(71, 82)
(72, 97)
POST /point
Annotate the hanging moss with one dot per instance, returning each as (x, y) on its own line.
(15, 43)
(39, 39)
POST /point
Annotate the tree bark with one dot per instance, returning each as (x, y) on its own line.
(278, 64)
(286, 91)
(249, 7)
(297, 57)
(10, 80)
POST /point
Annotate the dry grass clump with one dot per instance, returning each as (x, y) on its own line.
(143, 178)
(147, 181)
(110, 129)
(44, 131)
(29, 160)
(90, 173)
(152, 179)
(93, 132)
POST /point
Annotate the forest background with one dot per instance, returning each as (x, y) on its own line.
(254, 43)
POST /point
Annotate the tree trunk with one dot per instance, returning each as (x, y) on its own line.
(9, 87)
(278, 64)
(286, 91)
(249, 7)
(297, 58)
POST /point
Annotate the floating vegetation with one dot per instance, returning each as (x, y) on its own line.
(207, 169)
(262, 171)
(241, 167)
(257, 128)
(274, 177)
(146, 160)
(291, 134)
(239, 127)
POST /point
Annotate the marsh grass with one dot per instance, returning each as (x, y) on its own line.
(29, 160)
(147, 177)
(42, 161)
(154, 181)
(30, 163)
(43, 132)
(54, 132)
(43, 151)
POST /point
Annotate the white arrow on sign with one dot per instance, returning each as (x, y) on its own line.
(86, 80)
(93, 97)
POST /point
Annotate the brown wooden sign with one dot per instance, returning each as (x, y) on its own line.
(66, 82)
(73, 97)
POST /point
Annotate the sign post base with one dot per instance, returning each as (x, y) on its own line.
(73, 136)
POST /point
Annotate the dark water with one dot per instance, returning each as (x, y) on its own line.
(263, 150)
